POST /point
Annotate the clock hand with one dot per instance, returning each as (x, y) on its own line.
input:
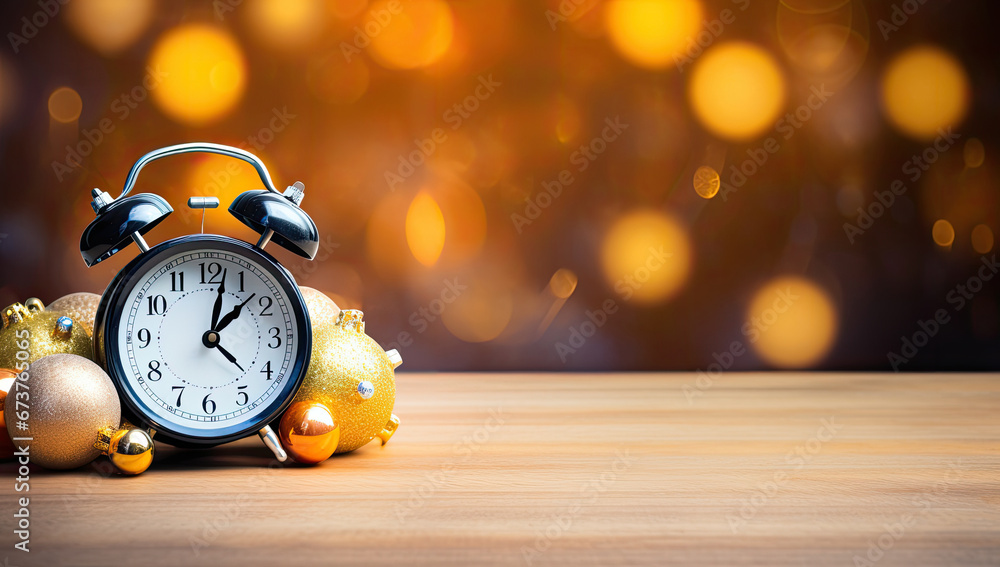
(218, 300)
(232, 315)
(229, 356)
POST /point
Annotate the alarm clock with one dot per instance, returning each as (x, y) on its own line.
(206, 337)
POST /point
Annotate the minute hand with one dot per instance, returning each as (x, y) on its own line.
(232, 315)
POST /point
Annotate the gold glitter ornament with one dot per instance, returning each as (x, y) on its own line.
(129, 448)
(323, 311)
(308, 432)
(31, 332)
(351, 374)
(7, 378)
(81, 307)
(72, 399)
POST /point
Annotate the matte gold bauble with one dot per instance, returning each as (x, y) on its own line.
(353, 377)
(31, 332)
(323, 311)
(308, 432)
(81, 307)
(72, 399)
(7, 378)
(129, 448)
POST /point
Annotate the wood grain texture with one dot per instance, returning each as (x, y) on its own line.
(583, 469)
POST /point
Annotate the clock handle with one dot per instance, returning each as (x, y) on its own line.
(271, 440)
(199, 147)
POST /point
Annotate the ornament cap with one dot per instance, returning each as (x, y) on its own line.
(389, 430)
(15, 314)
(352, 319)
(394, 357)
(63, 328)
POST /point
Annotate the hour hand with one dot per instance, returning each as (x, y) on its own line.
(217, 308)
(232, 315)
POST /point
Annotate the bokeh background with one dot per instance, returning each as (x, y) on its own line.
(584, 184)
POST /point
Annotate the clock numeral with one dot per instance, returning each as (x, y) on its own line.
(214, 273)
(145, 336)
(154, 371)
(179, 394)
(241, 282)
(176, 281)
(157, 304)
(265, 306)
(267, 369)
(274, 335)
(207, 403)
(246, 398)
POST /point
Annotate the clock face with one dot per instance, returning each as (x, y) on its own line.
(207, 340)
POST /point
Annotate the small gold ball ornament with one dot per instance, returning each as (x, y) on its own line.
(308, 432)
(81, 307)
(7, 379)
(351, 375)
(129, 448)
(31, 332)
(323, 311)
(72, 399)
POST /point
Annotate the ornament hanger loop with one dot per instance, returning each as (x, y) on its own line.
(199, 147)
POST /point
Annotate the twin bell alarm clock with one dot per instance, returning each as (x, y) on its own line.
(206, 337)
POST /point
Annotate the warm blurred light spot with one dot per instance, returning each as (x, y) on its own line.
(982, 239)
(215, 176)
(109, 26)
(943, 233)
(563, 283)
(335, 80)
(204, 73)
(416, 37)
(646, 255)
(706, 182)
(813, 6)
(650, 33)
(791, 322)
(974, 153)
(568, 121)
(345, 9)
(826, 40)
(925, 89)
(286, 24)
(481, 312)
(65, 105)
(737, 90)
(425, 229)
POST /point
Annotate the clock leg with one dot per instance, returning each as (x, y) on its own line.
(271, 440)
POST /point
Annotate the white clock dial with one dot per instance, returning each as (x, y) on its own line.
(207, 339)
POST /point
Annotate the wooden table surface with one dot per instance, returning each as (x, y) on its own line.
(582, 469)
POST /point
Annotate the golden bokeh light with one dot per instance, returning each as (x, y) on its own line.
(646, 256)
(650, 33)
(737, 90)
(286, 24)
(481, 312)
(425, 230)
(109, 26)
(943, 233)
(925, 89)
(791, 322)
(563, 283)
(982, 239)
(65, 105)
(335, 80)
(706, 182)
(204, 73)
(826, 40)
(974, 153)
(415, 37)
